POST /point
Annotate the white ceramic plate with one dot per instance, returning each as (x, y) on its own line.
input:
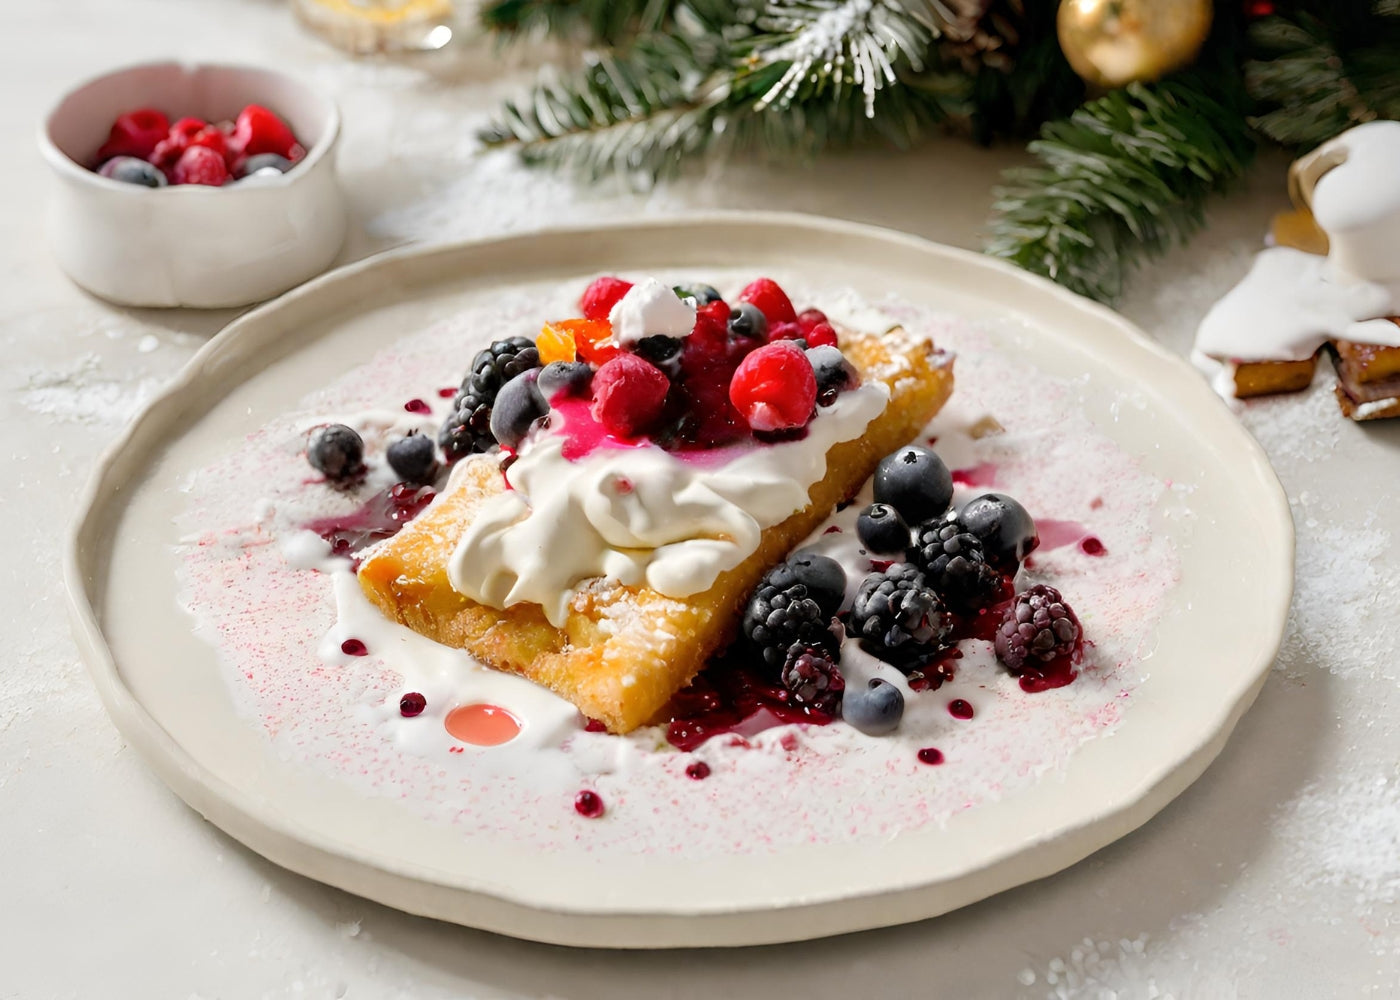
(165, 691)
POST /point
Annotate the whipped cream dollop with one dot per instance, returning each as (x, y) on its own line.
(641, 515)
(651, 309)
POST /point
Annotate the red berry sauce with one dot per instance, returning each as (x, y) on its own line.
(731, 698)
(1047, 676)
(588, 804)
(447, 392)
(417, 406)
(1058, 534)
(960, 708)
(594, 726)
(697, 770)
(981, 474)
(412, 704)
(1092, 546)
(930, 755)
(353, 647)
(381, 516)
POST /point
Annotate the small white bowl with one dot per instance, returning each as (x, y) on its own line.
(190, 245)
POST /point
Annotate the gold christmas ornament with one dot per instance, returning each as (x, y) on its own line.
(1111, 43)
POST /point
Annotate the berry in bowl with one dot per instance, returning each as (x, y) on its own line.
(135, 154)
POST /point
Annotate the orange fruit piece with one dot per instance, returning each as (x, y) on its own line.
(555, 343)
(592, 339)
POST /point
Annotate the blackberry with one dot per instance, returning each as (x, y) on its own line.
(956, 565)
(813, 678)
(823, 577)
(781, 615)
(1038, 627)
(468, 427)
(897, 616)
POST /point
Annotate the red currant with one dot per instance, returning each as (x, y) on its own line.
(821, 335)
(771, 299)
(774, 388)
(600, 297)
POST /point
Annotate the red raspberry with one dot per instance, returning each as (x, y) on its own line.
(809, 318)
(200, 165)
(211, 137)
(784, 331)
(775, 388)
(135, 134)
(173, 146)
(628, 395)
(258, 130)
(771, 299)
(821, 335)
(600, 297)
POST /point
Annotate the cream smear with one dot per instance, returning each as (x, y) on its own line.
(641, 515)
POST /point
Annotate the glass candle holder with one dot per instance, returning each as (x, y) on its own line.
(369, 26)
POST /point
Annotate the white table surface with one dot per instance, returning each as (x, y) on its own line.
(1276, 876)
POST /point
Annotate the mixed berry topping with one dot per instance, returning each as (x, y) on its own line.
(955, 565)
(1004, 528)
(629, 394)
(771, 299)
(413, 459)
(1037, 629)
(193, 151)
(775, 388)
(468, 427)
(337, 452)
(915, 482)
(813, 678)
(875, 709)
(897, 616)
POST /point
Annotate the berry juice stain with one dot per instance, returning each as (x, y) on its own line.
(1091, 546)
(381, 516)
(959, 708)
(482, 725)
(1048, 676)
(930, 755)
(731, 698)
(981, 474)
(1059, 534)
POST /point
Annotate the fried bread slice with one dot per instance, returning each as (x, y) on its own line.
(1267, 378)
(1368, 379)
(623, 652)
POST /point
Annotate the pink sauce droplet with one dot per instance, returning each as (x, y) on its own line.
(412, 704)
(833, 529)
(1091, 546)
(447, 392)
(588, 804)
(482, 725)
(930, 755)
(417, 406)
(958, 708)
(595, 726)
(1057, 534)
(981, 474)
(698, 771)
(353, 647)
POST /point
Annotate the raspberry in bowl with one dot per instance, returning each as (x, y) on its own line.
(156, 204)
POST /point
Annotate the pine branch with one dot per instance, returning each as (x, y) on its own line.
(806, 74)
(1319, 73)
(1126, 175)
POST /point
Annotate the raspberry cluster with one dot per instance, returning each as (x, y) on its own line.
(145, 148)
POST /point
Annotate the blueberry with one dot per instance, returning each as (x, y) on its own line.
(1004, 527)
(414, 458)
(337, 452)
(915, 482)
(572, 378)
(130, 170)
(835, 373)
(265, 161)
(882, 531)
(702, 294)
(747, 320)
(663, 352)
(875, 709)
(823, 577)
(518, 405)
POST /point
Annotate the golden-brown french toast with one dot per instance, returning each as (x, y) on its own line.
(623, 652)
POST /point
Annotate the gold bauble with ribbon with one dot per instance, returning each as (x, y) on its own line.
(1111, 43)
